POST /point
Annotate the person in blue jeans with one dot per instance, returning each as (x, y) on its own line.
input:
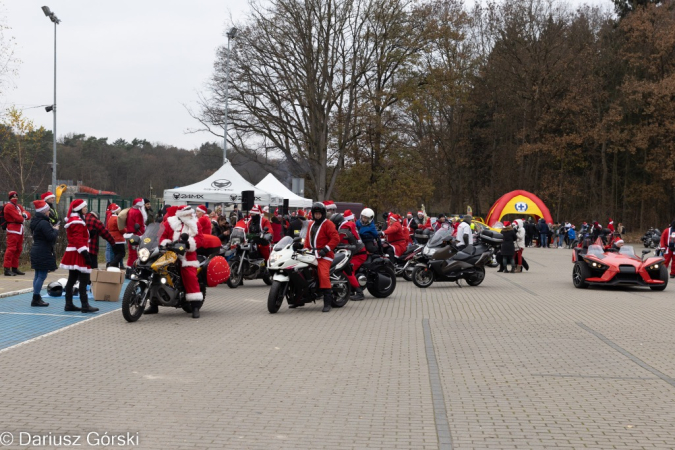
(42, 258)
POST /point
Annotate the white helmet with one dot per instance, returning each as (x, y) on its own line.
(367, 216)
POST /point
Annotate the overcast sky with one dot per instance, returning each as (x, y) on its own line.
(125, 67)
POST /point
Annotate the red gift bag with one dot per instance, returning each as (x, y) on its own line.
(217, 272)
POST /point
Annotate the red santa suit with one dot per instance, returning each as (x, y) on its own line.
(667, 237)
(264, 223)
(15, 216)
(78, 242)
(611, 225)
(323, 235)
(396, 235)
(203, 222)
(136, 215)
(185, 222)
(357, 259)
(422, 224)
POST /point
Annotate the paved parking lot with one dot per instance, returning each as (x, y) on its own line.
(522, 361)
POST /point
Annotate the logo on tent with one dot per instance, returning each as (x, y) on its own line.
(234, 197)
(176, 195)
(221, 184)
(521, 207)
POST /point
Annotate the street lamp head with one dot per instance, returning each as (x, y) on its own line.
(47, 11)
(232, 33)
(49, 108)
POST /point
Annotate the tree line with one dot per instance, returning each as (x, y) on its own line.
(395, 103)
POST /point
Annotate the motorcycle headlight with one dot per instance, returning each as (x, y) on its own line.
(143, 254)
(274, 257)
(429, 251)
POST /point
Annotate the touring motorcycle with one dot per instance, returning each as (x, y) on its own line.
(245, 259)
(652, 238)
(295, 278)
(448, 263)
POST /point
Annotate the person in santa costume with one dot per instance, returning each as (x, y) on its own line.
(76, 258)
(15, 216)
(114, 230)
(49, 198)
(42, 259)
(323, 236)
(610, 225)
(410, 225)
(668, 247)
(184, 227)
(423, 224)
(346, 222)
(136, 218)
(203, 221)
(331, 208)
(256, 224)
(397, 236)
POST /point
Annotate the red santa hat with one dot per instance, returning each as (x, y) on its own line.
(76, 205)
(266, 209)
(329, 204)
(276, 211)
(611, 221)
(202, 208)
(46, 196)
(409, 213)
(40, 206)
(139, 202)
(394, 216)
(114, 208)
(420, 212)
(184, 211)
(507, 223)
(171, 211)
(12, 194)
(349, 215)
(256, 210)
(301, 213)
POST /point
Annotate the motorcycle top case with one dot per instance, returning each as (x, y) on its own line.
(492, 236)
(217, 272)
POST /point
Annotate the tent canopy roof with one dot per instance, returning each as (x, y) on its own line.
(271, 184)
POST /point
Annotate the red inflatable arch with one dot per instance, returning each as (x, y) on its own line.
(519, 202)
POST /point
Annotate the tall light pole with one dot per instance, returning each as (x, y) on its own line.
(56, 21)
(230, 35)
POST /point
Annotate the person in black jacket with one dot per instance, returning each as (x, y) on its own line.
(42, 258)
(222, 229)
(508, 247)
(296, 224)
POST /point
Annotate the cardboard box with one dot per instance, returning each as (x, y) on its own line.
(106, 286)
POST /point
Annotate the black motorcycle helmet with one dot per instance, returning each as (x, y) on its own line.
(54, 289)
(337, 219)
(318, 207)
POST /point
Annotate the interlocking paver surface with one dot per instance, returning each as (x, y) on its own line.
(517, 358)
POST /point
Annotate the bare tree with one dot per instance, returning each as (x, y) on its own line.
(295, 73)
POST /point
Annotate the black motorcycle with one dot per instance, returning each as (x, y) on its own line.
(245, 259)
(446, 262)
(156, 276)
(377, 273)
(652, 238)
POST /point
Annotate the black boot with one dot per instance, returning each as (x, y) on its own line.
(501, 269)
(86, 308)
(152, 309)
(357, 296)
(17, 271)
(37, 301)
(195, 309)
(69, 304)
(327, 300)
(9, 273)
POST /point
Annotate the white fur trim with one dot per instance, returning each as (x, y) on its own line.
(127, 235)
(194, 297)
(165, 242)
(192, 243)
(327, 248)
(15, 232)
(349, 217)
(73, 267)
(77, 208)
(82, 249)
(185, 263)
(43, 209)
(48, 197)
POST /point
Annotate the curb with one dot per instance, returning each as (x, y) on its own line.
(13, 293)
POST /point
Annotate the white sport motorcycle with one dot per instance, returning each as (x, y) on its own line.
(295, 279)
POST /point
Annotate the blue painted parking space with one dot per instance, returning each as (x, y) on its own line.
(19, 322)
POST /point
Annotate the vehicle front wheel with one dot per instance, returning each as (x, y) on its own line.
(276, 296)
(663, 276)
(235, 279)
(579, 275)
(132, 302)
(407, 273)
(423, 277)
(267, 279)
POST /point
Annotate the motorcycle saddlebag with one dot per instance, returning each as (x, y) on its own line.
(217, 272)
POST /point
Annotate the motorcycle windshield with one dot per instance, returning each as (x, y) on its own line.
(628, 250)
(150, 238)
(283, 243)
(442, 235)
(237, 237)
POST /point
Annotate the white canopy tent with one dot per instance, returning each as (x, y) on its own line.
(271, 184)
(224, 186)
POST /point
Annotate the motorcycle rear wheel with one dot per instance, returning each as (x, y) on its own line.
(374, 289)
(276, 297)
(478, 278)
(132, 307)
(407, 273)
(423, 277)
(341, 293)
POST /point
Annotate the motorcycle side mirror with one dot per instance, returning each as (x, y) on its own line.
(297, 239)
(644, 252)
